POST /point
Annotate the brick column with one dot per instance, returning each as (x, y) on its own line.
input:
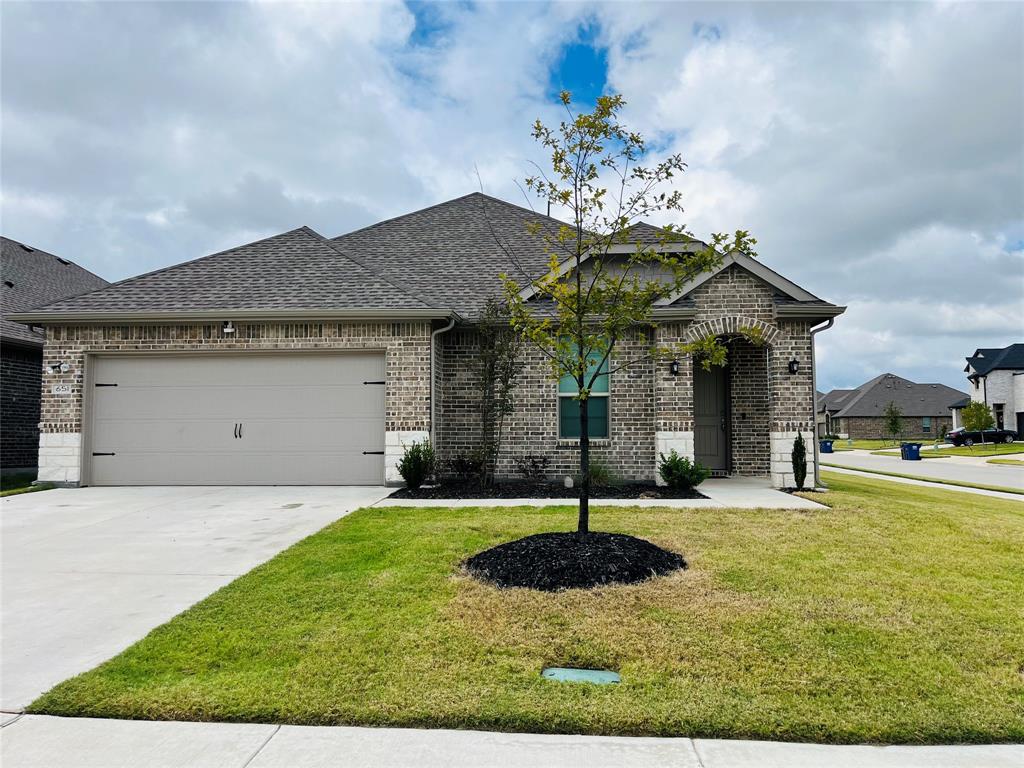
(792, 401)
(673, 400)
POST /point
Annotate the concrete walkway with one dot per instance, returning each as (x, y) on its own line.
(32, 741)
(89, 571)
(949, 468)
(730, 492)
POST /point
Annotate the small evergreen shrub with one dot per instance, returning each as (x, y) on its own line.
(533, 466)
(799, 461)
(600, 474)
(464, 467)
(679, 473)
(417, 464)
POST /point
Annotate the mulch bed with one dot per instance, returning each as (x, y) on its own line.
(555, 561)
(527, 489)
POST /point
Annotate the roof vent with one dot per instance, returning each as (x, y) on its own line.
(26, 248)
(65, 262)
(8, 283)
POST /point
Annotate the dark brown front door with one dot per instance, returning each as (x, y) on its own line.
(710, 418)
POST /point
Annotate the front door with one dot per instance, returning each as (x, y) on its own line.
(711, 418)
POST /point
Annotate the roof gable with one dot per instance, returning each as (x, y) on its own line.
(985, 360)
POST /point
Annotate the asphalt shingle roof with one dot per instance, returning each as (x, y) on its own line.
(454, 252)
(985, 360)
(296, 270)
(32, 277)
(872, 397)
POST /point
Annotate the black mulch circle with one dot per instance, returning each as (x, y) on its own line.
(556, 561)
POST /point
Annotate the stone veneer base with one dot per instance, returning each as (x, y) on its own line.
(782, 459)
(665, 442)
(60, 459)
(394, 447)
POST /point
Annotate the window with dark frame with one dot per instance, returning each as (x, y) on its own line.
(598, 411)
(926, 424)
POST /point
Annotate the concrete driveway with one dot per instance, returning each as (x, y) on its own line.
(89, 571)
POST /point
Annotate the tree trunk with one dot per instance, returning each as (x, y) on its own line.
(583, 526)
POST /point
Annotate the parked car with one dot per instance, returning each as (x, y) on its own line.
(963, 436)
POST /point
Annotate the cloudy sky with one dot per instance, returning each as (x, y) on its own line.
(876, 151)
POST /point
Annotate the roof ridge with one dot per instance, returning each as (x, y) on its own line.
(359, 261)
(442, 204)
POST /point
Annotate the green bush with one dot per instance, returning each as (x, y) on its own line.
(679, 473)
(417, 464)
(600, 474)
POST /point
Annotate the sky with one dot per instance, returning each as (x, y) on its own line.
(876, 151)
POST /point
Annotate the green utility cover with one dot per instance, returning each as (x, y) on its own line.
(570, 675)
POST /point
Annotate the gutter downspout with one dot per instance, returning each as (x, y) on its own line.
(814, 400)
(433, 365)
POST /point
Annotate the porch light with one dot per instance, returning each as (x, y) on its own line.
(228, 327)
(794, 366)
(673, 367)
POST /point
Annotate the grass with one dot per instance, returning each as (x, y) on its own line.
(895, 616)
(979, 449)
(939, 480)
(14, 484)
(924, 454)
(1010, 462)
(863, 445)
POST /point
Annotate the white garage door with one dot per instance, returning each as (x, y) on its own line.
(244, 419)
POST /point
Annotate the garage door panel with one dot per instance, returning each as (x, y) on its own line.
(305, 419)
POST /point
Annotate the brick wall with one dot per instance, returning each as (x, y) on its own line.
(407, 345)
(750, 412)
(533, 426)
(20, 375)
(873, 427)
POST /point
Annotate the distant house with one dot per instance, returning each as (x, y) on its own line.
(31, 277)
(859, 413)
(997, 379)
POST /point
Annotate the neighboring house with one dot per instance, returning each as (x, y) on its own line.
(859, 414)
(30, 277)
(997, 379)
(303, 360)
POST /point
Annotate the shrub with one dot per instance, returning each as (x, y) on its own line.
(533, 466)
(600, 474)
(799, 461)
(417, 464)
(464, 467)
(679, 473)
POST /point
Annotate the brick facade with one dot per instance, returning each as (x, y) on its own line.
(651, 410)
(873, 427)
(407, 361)
(20, 376)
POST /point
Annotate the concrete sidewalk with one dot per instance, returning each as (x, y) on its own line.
(728, 492)
(32, 741)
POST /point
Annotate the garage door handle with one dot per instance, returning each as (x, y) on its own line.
(374, 453)
(239, 430)
(374, 382)
(236, 430)
(103, 454)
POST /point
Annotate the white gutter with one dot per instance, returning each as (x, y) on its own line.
(433, 357)
(814, 400)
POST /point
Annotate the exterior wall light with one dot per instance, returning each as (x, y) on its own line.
(228, 327)
(673, 367)
(794, 366)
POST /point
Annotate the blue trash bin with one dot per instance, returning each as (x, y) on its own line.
(911, 451)
(825, 446)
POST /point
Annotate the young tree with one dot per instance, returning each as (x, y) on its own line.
(799, 459)
(496, 367)
(596, 291)
(977, 417)
(892, 418)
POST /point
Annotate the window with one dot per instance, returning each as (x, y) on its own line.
(926, 424)
(569, 407)
(997, 411)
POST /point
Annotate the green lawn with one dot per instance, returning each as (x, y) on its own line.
(1010, 462)
(864, 445)
(927, 479)
(895, 616)
(12, 485)
(978, 449)
(924, 454)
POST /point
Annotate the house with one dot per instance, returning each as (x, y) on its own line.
(300, 359)
(997, 379)
(858, 413)
(30, 277)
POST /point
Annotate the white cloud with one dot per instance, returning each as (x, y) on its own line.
(873, 149)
